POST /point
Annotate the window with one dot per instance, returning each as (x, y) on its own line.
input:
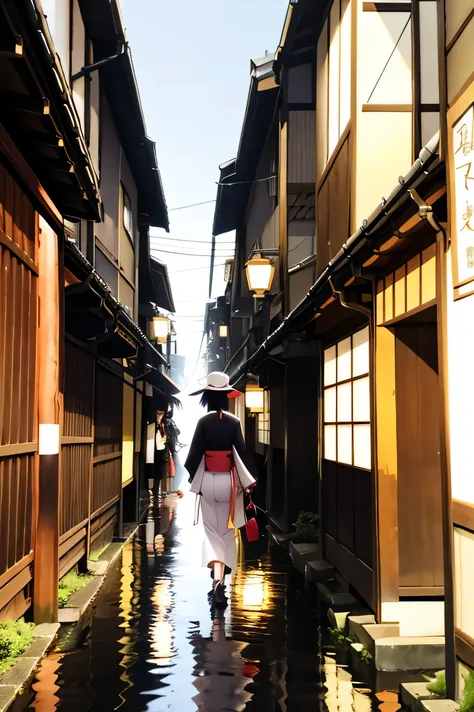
(263, 420)
(347, 437)
(127, 214)
(333, 79)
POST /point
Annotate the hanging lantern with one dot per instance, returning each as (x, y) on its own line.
(161, 329)
(254, 398)
(223, 331)
(260, 272)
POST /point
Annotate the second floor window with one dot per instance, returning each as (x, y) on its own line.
(127, 213)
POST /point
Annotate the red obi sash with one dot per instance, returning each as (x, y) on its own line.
(218, 460)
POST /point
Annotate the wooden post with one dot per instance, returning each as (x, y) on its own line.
(45, 602)
(445, 459)
(283, 198)
(386, 468)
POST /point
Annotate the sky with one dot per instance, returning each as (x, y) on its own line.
(192, 61)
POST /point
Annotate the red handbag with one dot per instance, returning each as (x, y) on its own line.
(251, 525)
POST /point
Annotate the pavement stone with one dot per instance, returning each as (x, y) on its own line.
(413, 693)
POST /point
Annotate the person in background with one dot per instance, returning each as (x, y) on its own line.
(219, 476)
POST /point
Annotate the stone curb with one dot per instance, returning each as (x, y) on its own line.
(15, 679)
(12, 682)
(80, 601)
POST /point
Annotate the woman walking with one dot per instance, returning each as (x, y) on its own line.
(219, 478)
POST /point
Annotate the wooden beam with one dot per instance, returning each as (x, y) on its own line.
(463, 514)
(386, 467)
(45, 603)
(283, 214)
(29, 181)
(445, 463)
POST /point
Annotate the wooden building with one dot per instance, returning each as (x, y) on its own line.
(365, 321)
(458, 273)
(78, 289)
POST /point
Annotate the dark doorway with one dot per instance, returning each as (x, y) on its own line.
(419, 469)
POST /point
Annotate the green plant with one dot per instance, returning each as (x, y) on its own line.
(338, 637)
(366, 655)
(437, 685)
(467, 701)
(307, 525)
(15, 638)
(69, 584)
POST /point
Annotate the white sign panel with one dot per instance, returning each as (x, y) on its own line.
(463, 146)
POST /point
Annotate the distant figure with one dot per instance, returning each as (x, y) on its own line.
(219, 478)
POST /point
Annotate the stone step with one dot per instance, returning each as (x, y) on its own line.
(356, 622)
(439, 706)
(368, 633)
(396, 653)
(301, 553)
(413, 693)
(318, 570)
(335, 600)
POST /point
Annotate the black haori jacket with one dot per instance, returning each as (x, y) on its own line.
(216, 433)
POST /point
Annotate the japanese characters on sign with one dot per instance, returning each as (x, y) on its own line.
(463, 224)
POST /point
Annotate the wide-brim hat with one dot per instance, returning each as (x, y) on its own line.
(218, 382)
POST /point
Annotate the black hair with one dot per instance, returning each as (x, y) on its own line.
(214, 400)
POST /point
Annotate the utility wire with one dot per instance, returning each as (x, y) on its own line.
(388, 60)
(200, 242)
(191, 269)
(191, 254)
(192, 205)
(243, 182)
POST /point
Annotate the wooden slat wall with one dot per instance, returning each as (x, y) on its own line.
(302, 147)
(76, 456)
(333, 206)
(408, 289)
(75, 476)
(107, 470)
(18, 422)
(78, 392)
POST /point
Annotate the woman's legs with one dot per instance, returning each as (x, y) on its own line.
(219, 545)
(218, 571)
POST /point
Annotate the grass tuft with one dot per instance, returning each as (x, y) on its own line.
(437, 686)
(15, 638)
(467, 702)
(69, 584)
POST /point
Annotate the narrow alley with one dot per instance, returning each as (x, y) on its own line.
(150, 642)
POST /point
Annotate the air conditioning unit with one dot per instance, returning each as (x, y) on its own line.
(229, 270)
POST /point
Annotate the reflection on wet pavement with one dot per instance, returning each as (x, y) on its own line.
(152, 642)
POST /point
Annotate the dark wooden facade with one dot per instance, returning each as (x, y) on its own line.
(18, 393)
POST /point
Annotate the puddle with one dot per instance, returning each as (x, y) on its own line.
(152, 643)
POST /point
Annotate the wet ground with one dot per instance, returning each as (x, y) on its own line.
(152, 643)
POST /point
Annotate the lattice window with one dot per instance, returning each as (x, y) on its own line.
(347, 436)
(264, 420)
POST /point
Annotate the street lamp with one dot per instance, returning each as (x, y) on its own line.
(259, 272)
(223, 331)
(161, 328)
(254, 398)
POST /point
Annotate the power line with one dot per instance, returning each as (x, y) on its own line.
(200, 242)
(192, 205)
(388, 60)
(243, 182)
(191, 254)
(191, 269)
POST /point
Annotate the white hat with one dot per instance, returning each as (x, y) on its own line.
(217, 381)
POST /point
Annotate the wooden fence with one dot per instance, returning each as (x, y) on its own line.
(90, 456)
(91, 438)
(18, 425)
